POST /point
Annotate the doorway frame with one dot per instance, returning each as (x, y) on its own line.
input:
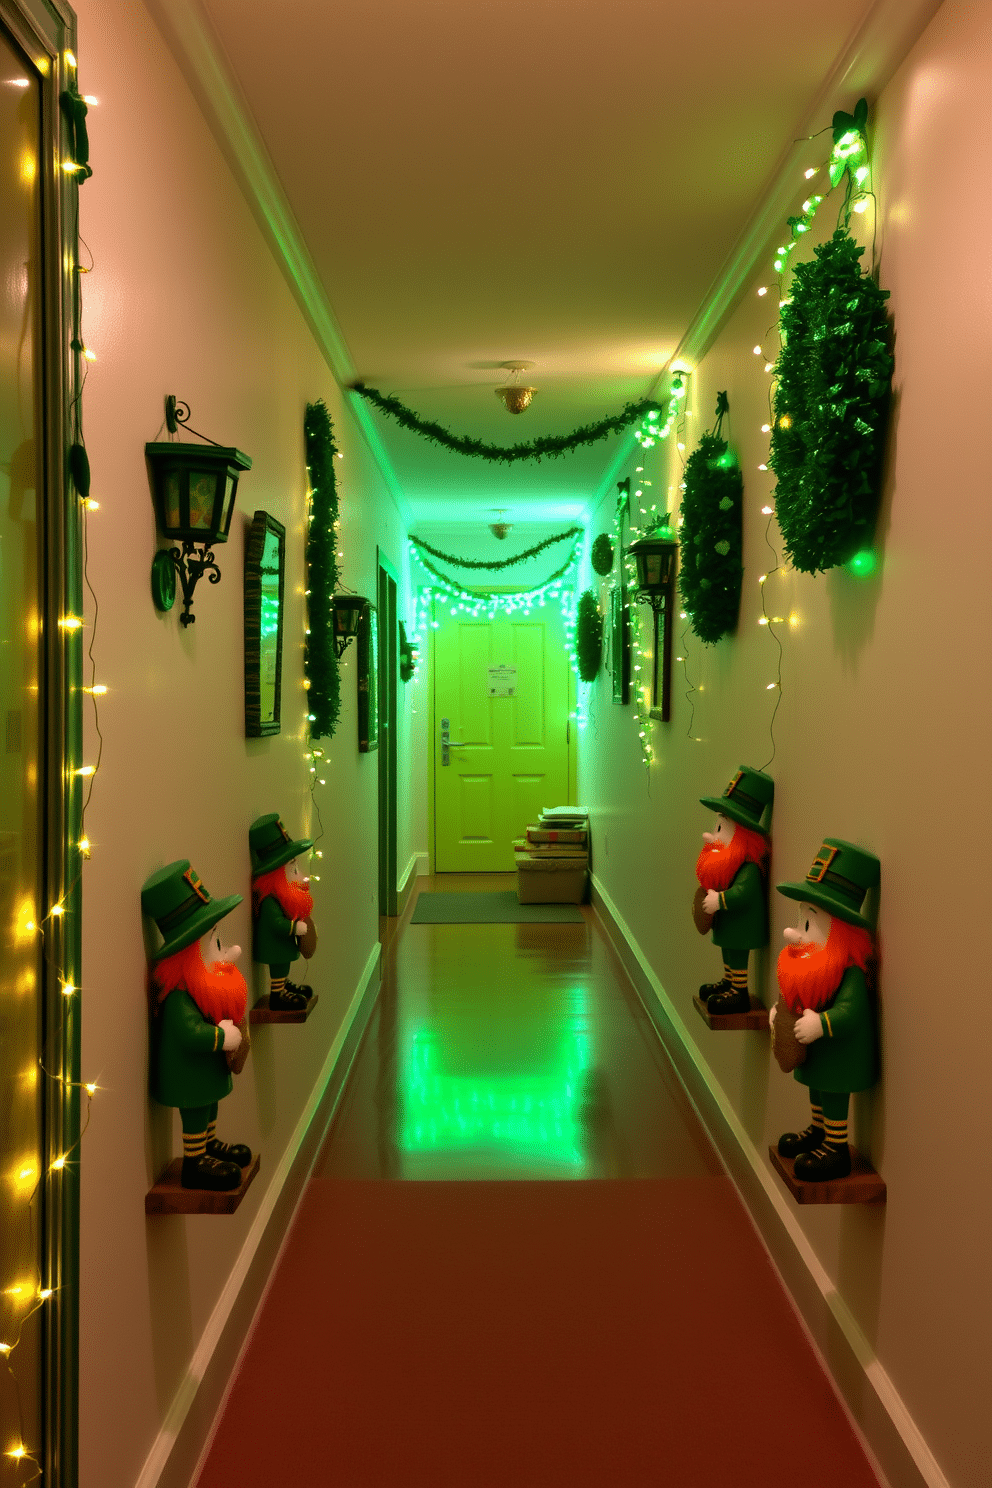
(45, 30)
(387, 588)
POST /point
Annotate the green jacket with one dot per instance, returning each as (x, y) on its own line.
(275, 942)
(741, 924)
(188, 1064)
(846, 1057)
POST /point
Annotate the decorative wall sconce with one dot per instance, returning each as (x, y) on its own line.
(347, 619)
(655, 554)
(194, 487)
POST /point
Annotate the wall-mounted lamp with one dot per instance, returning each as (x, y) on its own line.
(194, 487)
(348, 610)
(655, 554)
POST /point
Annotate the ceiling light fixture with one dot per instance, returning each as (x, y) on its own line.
(499, 529)
(514, 397)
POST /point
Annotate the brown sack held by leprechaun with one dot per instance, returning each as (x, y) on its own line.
(731, 897)
(199, 999)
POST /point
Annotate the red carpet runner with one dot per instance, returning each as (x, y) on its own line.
(529, 1335)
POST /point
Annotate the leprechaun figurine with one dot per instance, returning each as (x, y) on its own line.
(198, 1000)
(281, 905)
(824, 1015)
(732, 894)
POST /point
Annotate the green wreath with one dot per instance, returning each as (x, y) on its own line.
(463, 444)
(601, 556)
(588, 636)
(711, 566)
(320, 662)
(834, 377)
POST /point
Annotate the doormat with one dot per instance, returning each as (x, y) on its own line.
(502, 908)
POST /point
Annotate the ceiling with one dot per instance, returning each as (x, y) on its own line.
(479, 182)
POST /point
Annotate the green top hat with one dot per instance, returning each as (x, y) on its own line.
(838, 881)
(745, 799)
(271, 845)
(176, 900)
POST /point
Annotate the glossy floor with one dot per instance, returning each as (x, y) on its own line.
(511, 1051)
(516, 1326)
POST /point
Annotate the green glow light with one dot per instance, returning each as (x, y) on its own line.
(532, 1115)
(863, 564)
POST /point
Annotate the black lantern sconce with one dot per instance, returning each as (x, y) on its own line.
(348, 610)
(655, 555)
(194, 487)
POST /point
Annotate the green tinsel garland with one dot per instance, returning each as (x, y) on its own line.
(320, 662)
(588, 636)
(711, 566)
(462, 444)
(601, 556)
(834, 376)
(548, 542)
(494, 593)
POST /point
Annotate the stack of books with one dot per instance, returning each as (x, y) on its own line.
(553, 858)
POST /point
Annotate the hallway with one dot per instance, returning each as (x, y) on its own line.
(624, 1329)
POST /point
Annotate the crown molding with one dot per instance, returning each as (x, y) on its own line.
(199, 54)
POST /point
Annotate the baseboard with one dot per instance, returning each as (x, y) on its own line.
(177, 1451)
(405, 886)
(875, 1406)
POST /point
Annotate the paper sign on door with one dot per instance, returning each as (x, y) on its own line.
(503, 681)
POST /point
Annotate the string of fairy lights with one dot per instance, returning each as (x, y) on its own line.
(36, 1177)
(848, 157)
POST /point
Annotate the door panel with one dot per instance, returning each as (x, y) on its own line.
(508, 754)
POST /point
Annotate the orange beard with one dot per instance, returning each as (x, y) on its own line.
(809, 974)
(716, 866)
(219, 991)
(294, 900)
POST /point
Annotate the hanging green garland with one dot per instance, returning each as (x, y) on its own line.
(834, 376)
(423, 547)
(551, 445)
(320, 662)
(601, 556)
(711, 566)
(588, 636)
(486, 593)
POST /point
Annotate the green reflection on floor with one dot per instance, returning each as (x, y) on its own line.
(535, 1115)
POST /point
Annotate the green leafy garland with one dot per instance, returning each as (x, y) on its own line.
(505, 593)
(711, 567)
(320, 660)
(551, 445)
(601, 556)
(423, 547)
(831, 405)
(588, 636)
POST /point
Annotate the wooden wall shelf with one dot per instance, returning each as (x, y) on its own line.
(863, 1186)
(169, 1197)
(733, 1022)
(262, 1013)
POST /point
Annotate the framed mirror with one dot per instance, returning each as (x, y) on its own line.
(265, 581)
(368, 680)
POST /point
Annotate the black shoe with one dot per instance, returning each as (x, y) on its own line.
(305, 989)
(792, 1143)
(708, 989)
(733, 1001)
(229, 1152)
(289, 1000)
(823, 1163)
(207, 1172)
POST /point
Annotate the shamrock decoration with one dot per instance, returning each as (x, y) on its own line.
(849, 139)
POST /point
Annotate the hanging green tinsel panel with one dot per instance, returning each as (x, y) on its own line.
(320, 658)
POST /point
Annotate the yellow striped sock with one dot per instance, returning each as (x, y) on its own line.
(212, 1130)
(277, 984)
(194, 1144)
(835, 1132)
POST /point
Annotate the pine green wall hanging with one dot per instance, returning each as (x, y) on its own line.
(588, 637)
(711, 567)
(320, 659)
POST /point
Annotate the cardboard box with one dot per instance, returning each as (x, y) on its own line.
(550, 880)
